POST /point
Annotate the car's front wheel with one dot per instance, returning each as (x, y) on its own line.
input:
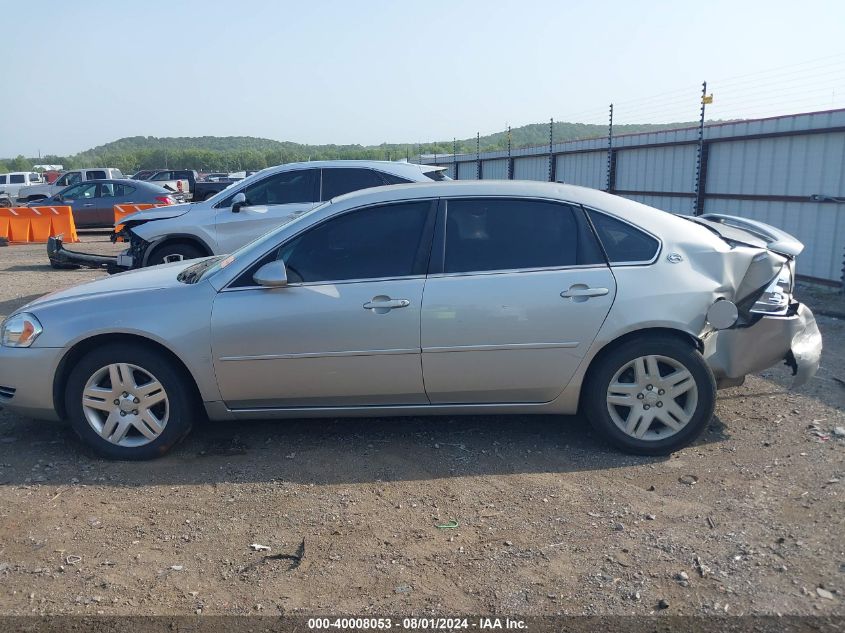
(129, 402)
(174, 252)
(650, 396)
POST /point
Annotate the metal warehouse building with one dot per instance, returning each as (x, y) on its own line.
(788, 171)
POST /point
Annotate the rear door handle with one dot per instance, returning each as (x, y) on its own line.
(381, 304)
(583, 292)
(88, 204)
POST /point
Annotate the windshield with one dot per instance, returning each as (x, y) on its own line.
(252, 250)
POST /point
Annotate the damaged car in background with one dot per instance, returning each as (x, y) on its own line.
(469, 297)
(241, 212)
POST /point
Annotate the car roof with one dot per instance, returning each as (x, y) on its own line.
(392, 167)
(593, 198)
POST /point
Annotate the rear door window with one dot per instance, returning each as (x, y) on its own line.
(490, 234)
(97, 174)
(340, 180)
(17, 179)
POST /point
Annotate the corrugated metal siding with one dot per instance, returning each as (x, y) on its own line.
(673, 204)
(821, 227)
(495, 169)
(657, 169)
(588, 169)
(531, 168)
(793, 164)
(468, 171)
(785, 166)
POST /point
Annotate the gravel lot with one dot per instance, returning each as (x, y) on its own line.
(750, 520)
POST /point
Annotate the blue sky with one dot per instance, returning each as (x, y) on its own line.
(81, 73)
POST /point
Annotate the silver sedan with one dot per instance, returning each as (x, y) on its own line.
(447, 298)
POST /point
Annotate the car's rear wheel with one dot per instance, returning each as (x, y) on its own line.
(174, 252)
(128, 402)
(650, 396)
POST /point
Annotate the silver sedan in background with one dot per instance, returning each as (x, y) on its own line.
(447, 298)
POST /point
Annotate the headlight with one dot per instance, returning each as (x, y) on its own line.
(19, 330)
(778, 295)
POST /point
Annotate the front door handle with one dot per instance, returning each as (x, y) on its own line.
(88, 204)
(582, 292)
(382, 304)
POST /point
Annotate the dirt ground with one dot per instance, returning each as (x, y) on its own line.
(750, 520)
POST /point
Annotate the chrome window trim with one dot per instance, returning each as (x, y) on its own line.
(538, 269)
(336, 282)
(629, 223)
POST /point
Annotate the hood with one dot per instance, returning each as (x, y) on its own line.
(751, 233)
(157, 213)
(142, 279)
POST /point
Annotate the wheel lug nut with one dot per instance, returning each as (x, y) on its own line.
(639, 397)
(660, 392)
(126, 394)
(659, 404)
(646, 407)
(135, 400)
(122, 413)
(117, 402)
(649, 387)
(134, 411)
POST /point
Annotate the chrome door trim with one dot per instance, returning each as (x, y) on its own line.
(507, 346)
(371, 352)
(507, 271)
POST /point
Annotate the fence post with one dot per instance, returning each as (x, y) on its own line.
(510, 159)
(551, 155)
(611, 157)
(478, 155)
(701, 158)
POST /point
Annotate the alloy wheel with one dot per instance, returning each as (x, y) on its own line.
(652, 397)
(125, 405)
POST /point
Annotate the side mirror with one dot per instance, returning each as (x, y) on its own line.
(271, 274)
(237, 202)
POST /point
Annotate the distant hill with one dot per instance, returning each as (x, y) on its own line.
(231, 153)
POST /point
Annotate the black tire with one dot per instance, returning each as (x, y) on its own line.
(181, 395)
(172, 251)
(5, 203)
(595, 394)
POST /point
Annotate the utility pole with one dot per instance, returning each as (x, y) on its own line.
(551, 156)
(455, 155)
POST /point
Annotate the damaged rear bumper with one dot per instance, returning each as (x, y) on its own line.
(794, 338)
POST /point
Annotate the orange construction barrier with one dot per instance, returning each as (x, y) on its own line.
(37, 224)
(122, 210)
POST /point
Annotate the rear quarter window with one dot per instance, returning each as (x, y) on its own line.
(623, 242)
(95, 175)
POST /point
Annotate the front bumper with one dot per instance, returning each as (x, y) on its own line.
(26, 380)
(794, 338)
(60, 257)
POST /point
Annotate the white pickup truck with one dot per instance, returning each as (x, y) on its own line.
(12, 183)
(42, 191)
